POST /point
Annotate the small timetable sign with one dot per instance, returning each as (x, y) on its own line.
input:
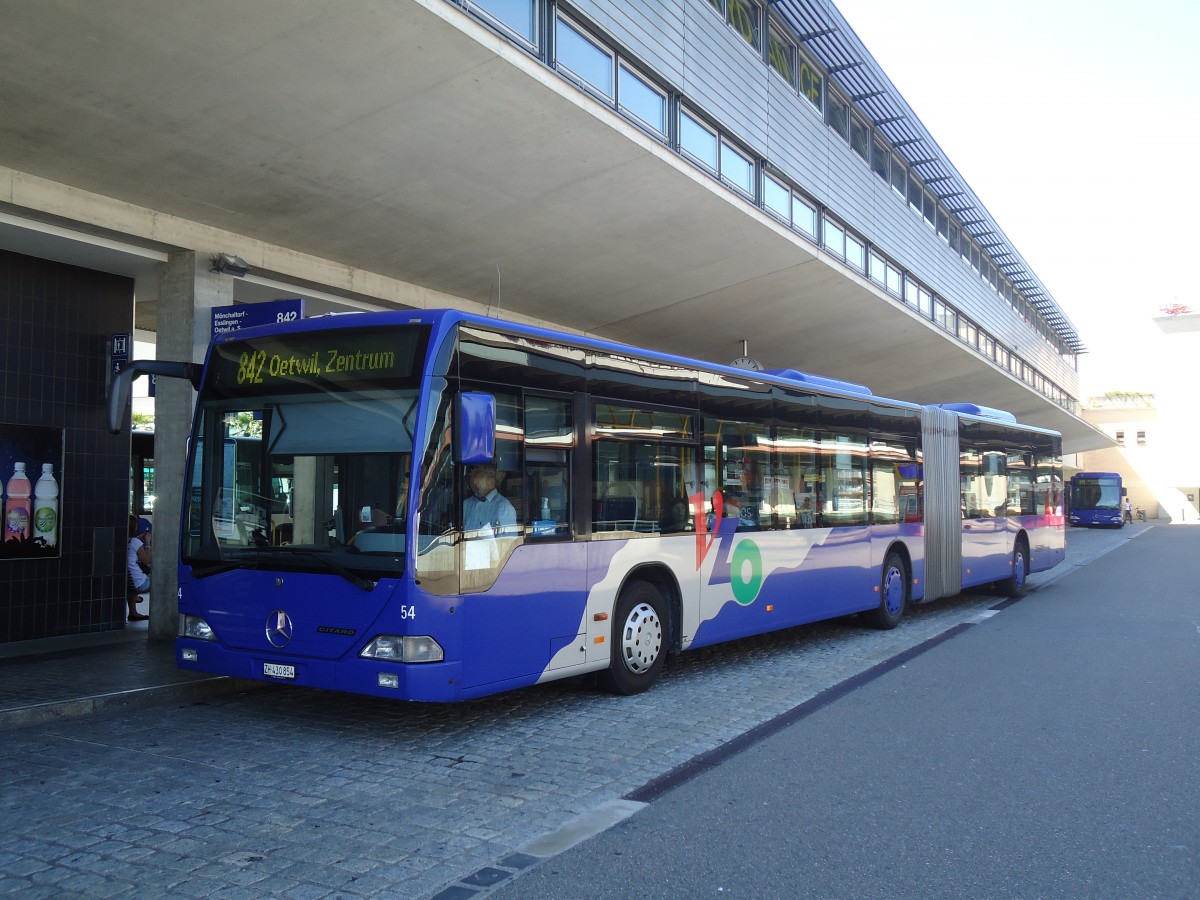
(247, 315)
(119, 352)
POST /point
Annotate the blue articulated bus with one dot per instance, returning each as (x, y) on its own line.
(1095, 499)
(436, 506)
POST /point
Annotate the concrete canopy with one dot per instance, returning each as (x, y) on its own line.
(407, 141)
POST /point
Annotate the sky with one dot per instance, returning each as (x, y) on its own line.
(1078, 126)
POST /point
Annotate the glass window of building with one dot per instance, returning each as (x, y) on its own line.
(810, 82)
(804, 216)
(945, 316)
(777, 198)
(781, 54)
(925, 303)
(855, 251)
(517, 16)
(898, 176)
(837, 116)
(697, 140)
(879, 159)
(929, 208)
(915, 195)
(636, 97)
(860, 138)
(746, 17)
(967, 332)
(835, 238)
(877, 267)
(737, 169)
(894, 279)
(943, 224)
(583, 58)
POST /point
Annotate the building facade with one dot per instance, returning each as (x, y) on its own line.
(1155, 436)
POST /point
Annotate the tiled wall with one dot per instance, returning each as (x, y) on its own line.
(56, 323)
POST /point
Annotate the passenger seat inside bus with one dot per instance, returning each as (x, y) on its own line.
(617, 508)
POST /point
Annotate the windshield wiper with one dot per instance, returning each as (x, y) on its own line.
(353, 577)
(200, 571)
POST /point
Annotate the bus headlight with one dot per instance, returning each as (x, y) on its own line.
(404, 648)
(195, 627)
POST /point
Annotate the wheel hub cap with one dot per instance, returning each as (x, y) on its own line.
(641, 639)
(893, 590)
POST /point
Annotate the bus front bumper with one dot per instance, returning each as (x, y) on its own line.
(430, 682)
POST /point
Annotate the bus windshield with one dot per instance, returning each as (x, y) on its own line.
(303, 445)
(306, 482)
(1096, 493)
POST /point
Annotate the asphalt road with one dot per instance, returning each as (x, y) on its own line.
(1051, 750)
(1038, 750)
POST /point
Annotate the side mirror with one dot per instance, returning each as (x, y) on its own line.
(118, 393)
(476, 428)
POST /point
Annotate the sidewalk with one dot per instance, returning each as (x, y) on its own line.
(65, 677)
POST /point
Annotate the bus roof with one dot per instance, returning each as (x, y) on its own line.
(444, 319)
(980, 412)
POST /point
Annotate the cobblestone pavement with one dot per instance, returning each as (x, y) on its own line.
(302, 793)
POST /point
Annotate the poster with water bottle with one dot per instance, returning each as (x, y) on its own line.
(31, 460)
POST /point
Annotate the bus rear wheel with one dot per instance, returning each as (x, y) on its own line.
(639, 640)
(893, 590)
(1014, 584)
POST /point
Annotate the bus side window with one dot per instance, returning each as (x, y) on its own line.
(969, 465)
(549, 437)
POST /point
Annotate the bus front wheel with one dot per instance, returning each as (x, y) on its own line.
(893, 589)
(639, 640)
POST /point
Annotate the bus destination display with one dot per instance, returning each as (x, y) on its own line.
(325, 359)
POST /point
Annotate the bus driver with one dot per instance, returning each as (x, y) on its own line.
(486, 512)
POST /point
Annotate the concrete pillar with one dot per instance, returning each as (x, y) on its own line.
(187, 292)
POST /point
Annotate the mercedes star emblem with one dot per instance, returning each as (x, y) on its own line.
(279, 628)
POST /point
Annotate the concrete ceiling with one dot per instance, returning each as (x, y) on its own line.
(405, 140)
